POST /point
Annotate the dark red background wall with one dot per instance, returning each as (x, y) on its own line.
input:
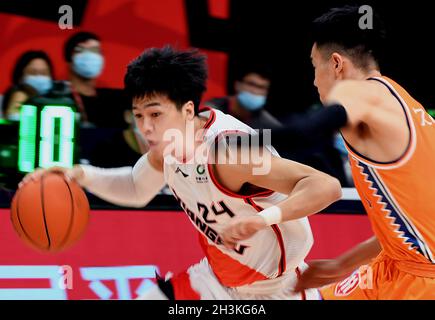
(126, 28)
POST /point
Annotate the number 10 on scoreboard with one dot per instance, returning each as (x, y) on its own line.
(46, 137)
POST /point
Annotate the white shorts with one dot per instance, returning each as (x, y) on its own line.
(200, 283)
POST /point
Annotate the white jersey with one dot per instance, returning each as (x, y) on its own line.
(269, 254)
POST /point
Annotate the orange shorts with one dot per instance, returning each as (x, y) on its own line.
(385, 279)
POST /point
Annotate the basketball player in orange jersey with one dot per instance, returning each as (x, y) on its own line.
(391, 143)
(252, 225)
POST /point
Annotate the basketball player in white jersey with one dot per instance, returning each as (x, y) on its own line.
(251, 214)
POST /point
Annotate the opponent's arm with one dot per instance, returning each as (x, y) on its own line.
(324, 272)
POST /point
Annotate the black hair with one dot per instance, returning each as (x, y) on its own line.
(179, 75)
(339, 30)
(74, 40)
(262, 70)
(24, 60)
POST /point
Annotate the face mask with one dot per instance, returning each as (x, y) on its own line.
(88, 64)
(250, 101)
(42, 84)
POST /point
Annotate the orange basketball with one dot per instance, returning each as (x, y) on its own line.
(50, 214)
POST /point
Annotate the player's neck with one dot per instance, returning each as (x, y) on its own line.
(199, 123)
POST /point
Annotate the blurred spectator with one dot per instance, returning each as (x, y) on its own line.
(32, 76)
(123, 148)
(251, 90)
(97, 106)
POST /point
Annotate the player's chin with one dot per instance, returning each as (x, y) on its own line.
(154, 146)
(322, 98)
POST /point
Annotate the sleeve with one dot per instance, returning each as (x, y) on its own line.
(126, 186)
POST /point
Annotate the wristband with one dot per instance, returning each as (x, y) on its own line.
(271, 215)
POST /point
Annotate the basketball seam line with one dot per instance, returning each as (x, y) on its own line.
(43, 212)
(21, 224)
(72, 215)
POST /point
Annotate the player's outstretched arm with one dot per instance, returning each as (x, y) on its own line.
(324, 272)
(309, 192)
(126, 186)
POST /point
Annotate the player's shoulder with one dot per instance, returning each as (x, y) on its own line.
(368, 90)
(223, 124)
(358, 93)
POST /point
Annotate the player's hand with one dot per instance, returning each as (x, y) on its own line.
(240, 229)
(321, 273)
(75, 173)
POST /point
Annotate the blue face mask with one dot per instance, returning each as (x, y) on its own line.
(250, 101)
(42, 84)
(88, 64)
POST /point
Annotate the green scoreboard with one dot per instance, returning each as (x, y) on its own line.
(47, 135)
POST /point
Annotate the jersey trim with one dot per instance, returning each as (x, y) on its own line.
(400, 223)
(406, 155)
(298, 274)
(282, 262)
(265, 193)
(211, 119)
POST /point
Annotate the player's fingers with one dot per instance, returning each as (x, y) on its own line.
(241, 231)
(27, 178)
(68, 176)
(228, 238)
(229, 244)
(59, 170)
(36, 175)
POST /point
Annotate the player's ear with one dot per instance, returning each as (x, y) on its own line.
(337, 64)
(128, 117)
(188, 110)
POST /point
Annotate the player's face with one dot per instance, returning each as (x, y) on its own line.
(324, 73)
(156, 115)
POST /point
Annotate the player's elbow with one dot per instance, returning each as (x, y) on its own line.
(332, 188)
(138, 205)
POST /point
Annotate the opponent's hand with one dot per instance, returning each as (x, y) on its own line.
(75, 173)
(321, 273)
(240, 229)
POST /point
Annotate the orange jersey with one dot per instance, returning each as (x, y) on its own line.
(385, 279)
(399, 196)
